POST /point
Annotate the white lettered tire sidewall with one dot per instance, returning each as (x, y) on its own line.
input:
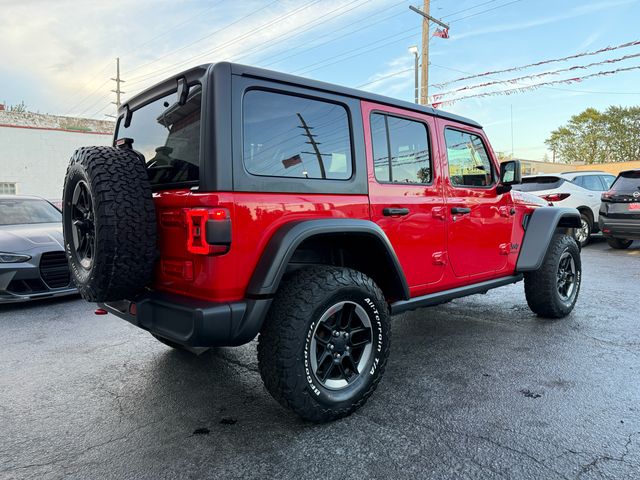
(372, 369)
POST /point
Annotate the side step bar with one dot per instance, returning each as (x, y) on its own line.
(432, 299)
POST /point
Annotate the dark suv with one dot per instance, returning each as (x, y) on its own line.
(238, 201)
(620, 210)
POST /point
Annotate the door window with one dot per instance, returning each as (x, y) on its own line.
(400, 150)
(469, 163)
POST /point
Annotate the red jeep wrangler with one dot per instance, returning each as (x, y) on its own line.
(238, 201)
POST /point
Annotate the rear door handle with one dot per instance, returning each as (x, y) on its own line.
(460, 210)
(394, 212)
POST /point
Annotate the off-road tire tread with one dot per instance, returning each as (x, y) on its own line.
(125, 222)
(540, 286)
(286, 324)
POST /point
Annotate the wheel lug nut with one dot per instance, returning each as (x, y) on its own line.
(331, 347)
(336, 333)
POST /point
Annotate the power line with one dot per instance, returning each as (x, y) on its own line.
(173, 28)
(378, 44)
(201, 38)
(331, 35)
(230, 42)
(485, 11)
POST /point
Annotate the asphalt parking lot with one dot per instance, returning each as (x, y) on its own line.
(477, 388)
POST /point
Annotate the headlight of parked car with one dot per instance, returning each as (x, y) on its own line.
(13, 257)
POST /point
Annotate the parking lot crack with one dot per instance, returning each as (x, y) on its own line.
(593, 465)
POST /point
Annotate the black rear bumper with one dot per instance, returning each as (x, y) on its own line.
(192, 322)
(620, 227)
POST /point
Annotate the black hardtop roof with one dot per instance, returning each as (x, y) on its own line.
(255, 72)
(245, 70)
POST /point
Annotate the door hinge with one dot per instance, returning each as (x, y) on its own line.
(505, 248)
(439, 258)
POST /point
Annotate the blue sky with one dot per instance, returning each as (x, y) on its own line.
(59, 56)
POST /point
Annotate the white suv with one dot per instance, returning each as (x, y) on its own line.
(580, 189)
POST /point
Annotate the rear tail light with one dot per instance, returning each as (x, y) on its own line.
(209, 231)
(556, 197)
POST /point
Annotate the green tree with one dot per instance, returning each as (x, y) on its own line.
(598, 137)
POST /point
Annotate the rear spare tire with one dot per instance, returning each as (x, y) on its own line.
(109, 223)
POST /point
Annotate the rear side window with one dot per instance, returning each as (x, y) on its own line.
(608, 181)
(627, 182)
(400, 150)
(590, 182)
(469, 164)
(168, 136)
(290, 136)
(536, 184)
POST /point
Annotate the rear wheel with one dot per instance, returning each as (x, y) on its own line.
(325, 342)
(553, 289)
(583, 233)
(619, 243)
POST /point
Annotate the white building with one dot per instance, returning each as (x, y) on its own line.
(35, 150)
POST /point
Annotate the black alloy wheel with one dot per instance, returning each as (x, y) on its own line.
(566, 276)
(82, 225)
(341, 345)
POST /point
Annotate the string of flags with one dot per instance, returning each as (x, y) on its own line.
(544, 62)
(439, 96)
(533, 87)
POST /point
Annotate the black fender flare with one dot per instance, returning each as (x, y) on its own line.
(539, 230)
(282, 245)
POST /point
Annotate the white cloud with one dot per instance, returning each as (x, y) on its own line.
(573, 13)
(69, 46)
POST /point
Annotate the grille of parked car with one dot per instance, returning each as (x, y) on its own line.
(54, 269)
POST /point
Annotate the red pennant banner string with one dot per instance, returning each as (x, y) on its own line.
(534, 87)
(544, 62)
(439, 96)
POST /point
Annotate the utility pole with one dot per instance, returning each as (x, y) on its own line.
(424, 90)
(424, 94)
(312, 141)
(118, 81)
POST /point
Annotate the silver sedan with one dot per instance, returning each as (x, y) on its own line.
(32, 259)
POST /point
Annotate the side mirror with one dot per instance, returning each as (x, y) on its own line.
(510, 174)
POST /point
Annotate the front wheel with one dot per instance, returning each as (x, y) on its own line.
(553, 289)
(619, 243)
(325, 342)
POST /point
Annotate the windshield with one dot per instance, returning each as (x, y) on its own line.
(627, 182)
(535, 184)
(168, 136)
(24, 211)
